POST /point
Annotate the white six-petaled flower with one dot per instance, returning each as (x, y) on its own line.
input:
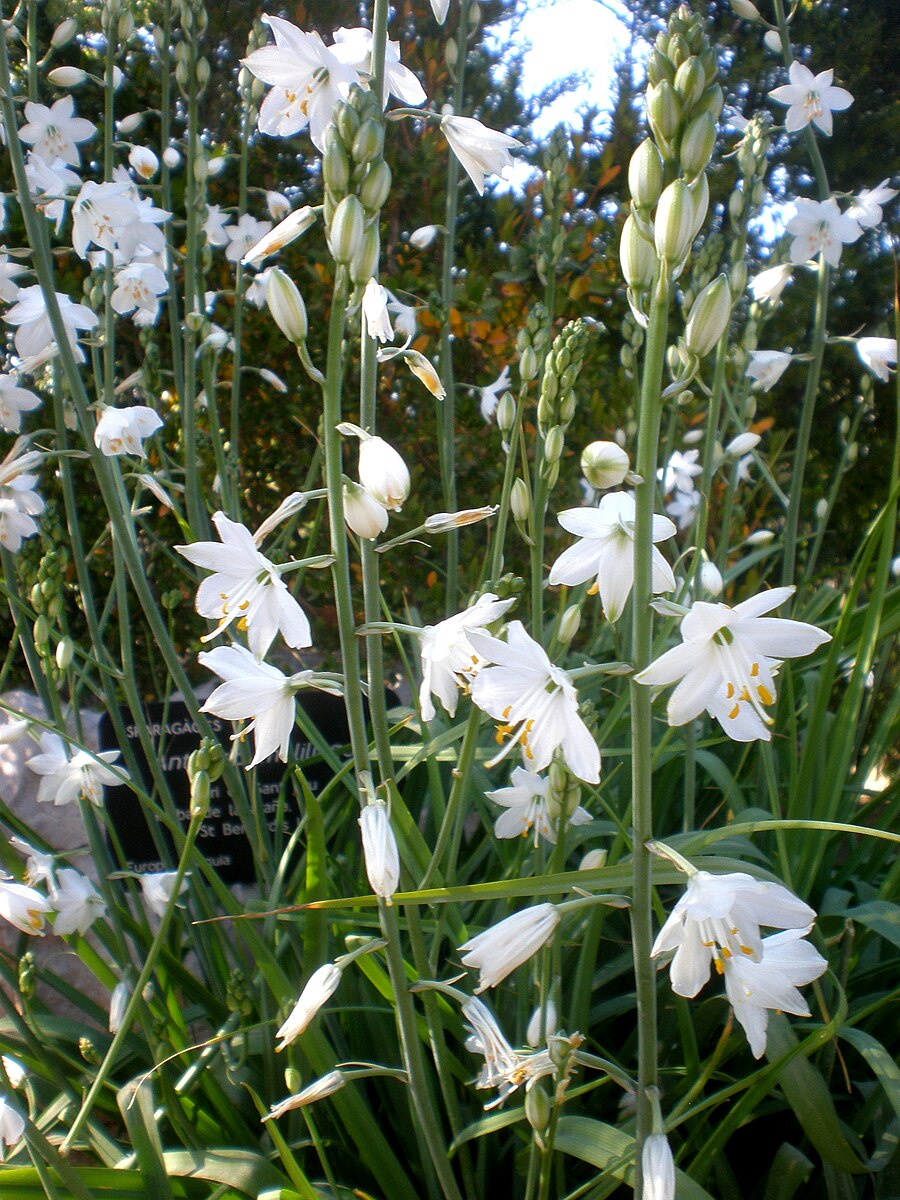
(449, 660)
(527, 807)
(123, 430)
(23, 907)
(867, 206)
(497, 951)
(76, 901)
(481, 151)
(819, 226)
(727, 662)
(810, 99)
(766, 367)
(878, 354)
(157, 888)
(34, 336)
(84, 775)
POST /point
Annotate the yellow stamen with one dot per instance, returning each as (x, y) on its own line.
(764, 694)
(734, 712)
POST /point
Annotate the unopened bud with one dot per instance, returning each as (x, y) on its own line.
(569, 623)
(604, 464)
(772, 41)
(506, 413)
(200, 794)
(737, 279)
(709, 317)
(699, 193)
(537, 1108)
(690, 80)
(365, 265)
(528, 364)
(63, 33)
(697, 145)
(821, 509)
(67, 77)
(742, 444)
(712, 101)
(520, 501)
(593, 860)
(347, 230)
(664, 110)
(376, 186)
(645, 175)
(363, 514)
(674, 227)
(286, 306)
(760, 538)
(743, 8)
(65, 652)
(637, 257)
(711, 579)
(554, 444)
(368, 144)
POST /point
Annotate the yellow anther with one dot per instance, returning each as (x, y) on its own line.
(746, 950)
(506, 712)
(754, 670)
(593, 589)
(734, 712)
(729, 691)
(720, 970)
(764, 694)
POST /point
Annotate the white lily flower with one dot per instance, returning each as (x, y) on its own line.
(215, 226)
(319, 989)
(820, 227)
(727, 662)
(54, 133)
(406, 322)
(383, 473)
(138, 287)
(753, 987)
(504, 1068)
(766, 367)
(606, 549)
(490, 395)
(326, 1086)
(245, 586)
(380, 851)
(157, 888)
(810, 99)
(717, 921)
(525, 801)
(9, 272)
(12, 1124)
(878, 354)
(39, 866)
(769, 284)
(123, 430)
(500, 949)
(49, 184)
(657, 1168)
(23, 907)
(449, 660)
(866, 208)
(34, 335)
(244, 237)
(375, 311)
(77, 902)
(354, 48)
(680, 471)
(14, 401)
(83, 776)
(536, 702)
(481, 151)
(15, 526)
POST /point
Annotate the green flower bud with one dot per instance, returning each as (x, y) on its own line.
(697, 145)
(737, 278)
(712, 101)
(376, 186)
(709, 317)
(690, 80)
(659, 68)
(365, 265)
(368, 144)
(65, 652)
(604, 464)
(679, 49)
(506, 413)
(347, 123)
(675, 223)
(335, 165)
(645, 175)
(537, 1108)
(286, 306)
(637, 257)
(347, 229)
(743, 8)
(520, 501)
(699, 194)
(41, 631)
(663, 110)
(554, 444)
(569, 623)
(200, 794)
(528, 364)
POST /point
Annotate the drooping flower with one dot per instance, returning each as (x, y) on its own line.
(215, 226)
(500, 949)
(606, 550)
(536, 702)
(55, 132)
(49, 184)
(375, 311)
(657, 1168)
(425, 371)
(490, 395)
(157, 888)
(14, 401)
(604, 464)
(118, 1002)
(245, 587)
(819, 226)
(363, 514)
(76, 901)
(319, 989)
(727, 662)
(449, 660)
(23, 907)
(35, 336)
(878, 354)
(123, 430)
(504, 1068)
(766, 367)
(754, 987)
(769, 284)
(39, 866)
(15, 526)
(383, 473)
(326, 1086)
(717, 920)
(481, 151)
(83, 776)
(380, 851)
(866, 208)
(527, 808)
(810, 98)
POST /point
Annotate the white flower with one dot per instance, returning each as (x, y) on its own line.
(23, 907)
(319, 989)
(440, 9)
(423, 237)
(383, 473)
(683, 508)
(243, 236)
(278, 205)
(39, 867)
(363, 514)
(12, 1124)
(143, 161)
(788, 961)
(717, 921)
(285, 232)
(54, 132)
(255, 690)
(405, 320)
(727, 662)
(711, 580)
(500, 949)
(215, 226)
(866, 209)
(83, 776)
(157, 889)
(15, 400)
(878, 354)
(122, 430)
(742, 444)
(810, 98)
(380, 852)
(308, 80)
(605, 464)
(354, 48)
(536, 702)
(34, 335)
(680, 471)
(100, 212)
(504, 1068)
(526, 807)
(606, 549)
(138, 286)
(77, 902)
(490, 395)
(9, 271)
(49, 184)
(481, 151)
(15, 1072)
(245, 586)
(449, 660)
(375, 311)
(15, 526)
(769, 284)
(657, 1169)
(819, 226)
(326, 1086)
(766, 367)
(118, 1002)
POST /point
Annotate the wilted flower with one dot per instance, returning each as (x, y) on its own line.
(491, 394)
(123, 430)
(657, 1163)
(766, 367)
(504, 1068)
(23, 907)
(285, 232)
(319, 989)
(326, 1086)
(380, 852)
(442, 522)
(425, 371)
(481, 151)
(878, 354)
(810, 98)
(144, 161)
(244, 236)
(81, 777)
(500, 949)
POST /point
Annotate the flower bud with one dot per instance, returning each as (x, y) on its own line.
(569, 624)
(376, 186)
(383, 473)
(200, 794)
(347, 230)
(528, 364)
(711, 579)
(636, 256)
(664, 110)
(690, 81)
(368, 144)
(66, 77)
(709, 317)
(365, 264)
(697, 145)
(537, 1108)
(604, 464)
(129, 124)
(363, 514)
(772, 40)
(335, 166)
(554, 444)
(422, 237)
(593, 860)
(65, 652)
(712, 101)
(380, 852)
(821, 509)
(761, 537)
(659, 68)
(520, 501)
(675, 221)
(742, 444)
(171, 157)
(737, 278)
(118, 1002)
(645, 175)
(743, 8)
(63, 33)
(699, 193)
(286, 306)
